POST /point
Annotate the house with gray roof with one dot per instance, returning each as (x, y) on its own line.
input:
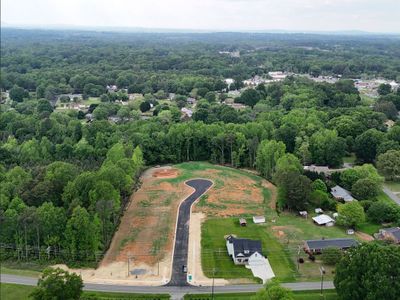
(318, 246)
(341, 194)
(391, 234)
(240, 250)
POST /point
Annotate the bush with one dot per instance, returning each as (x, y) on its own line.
(319, 185)
(365, 189)
(380, 212)
(331, 256)
(57, 284)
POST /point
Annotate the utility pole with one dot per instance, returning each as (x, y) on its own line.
(298, 257)
(322, 271)
(212, 288)
(128, 265)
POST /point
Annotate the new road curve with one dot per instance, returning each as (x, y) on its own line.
(180, 257)
(178, 285)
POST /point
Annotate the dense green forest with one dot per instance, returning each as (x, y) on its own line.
(65, 180)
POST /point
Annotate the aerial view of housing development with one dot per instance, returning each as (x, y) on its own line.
(200, 150)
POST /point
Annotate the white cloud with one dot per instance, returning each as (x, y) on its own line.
(367, 15)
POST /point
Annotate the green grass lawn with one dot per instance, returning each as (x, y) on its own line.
(350, 159)
(214, 253)
(385, 198)
(21, 292)
(92, 100)
(14, 291)
(393, 186)
(30, 269)
(280, 240)
(302, 295)
(369, 228)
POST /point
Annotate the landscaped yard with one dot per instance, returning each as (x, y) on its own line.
(21, 292)
(280, 240)
(214, 253)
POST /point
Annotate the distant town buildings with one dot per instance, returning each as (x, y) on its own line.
(187, 112)
(235, 53)
(275, 76)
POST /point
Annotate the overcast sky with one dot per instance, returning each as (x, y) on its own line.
(233, 15)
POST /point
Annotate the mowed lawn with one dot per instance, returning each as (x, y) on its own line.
(393, 186)
(281, 241)
(215, 256)
(22, 292)
(303, 295)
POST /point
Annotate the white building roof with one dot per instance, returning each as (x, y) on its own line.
(259, 219)
(322, 219)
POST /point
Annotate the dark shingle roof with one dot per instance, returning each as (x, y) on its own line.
(241, 245)
(395, 231)
(338, 243)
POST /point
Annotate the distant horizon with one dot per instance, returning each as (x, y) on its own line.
(139, 29)
(298, 16)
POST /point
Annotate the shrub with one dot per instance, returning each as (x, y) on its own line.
(380, 212)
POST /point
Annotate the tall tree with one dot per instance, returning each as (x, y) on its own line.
(367, 272)
(268, 154)
(82, 235)
(389, 164)
(350, 214)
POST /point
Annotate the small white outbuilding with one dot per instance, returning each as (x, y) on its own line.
(324, 220)
(258, 219)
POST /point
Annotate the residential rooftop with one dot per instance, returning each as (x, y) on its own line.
(331, 243)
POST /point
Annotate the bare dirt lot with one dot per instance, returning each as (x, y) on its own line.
(144, 240)
(145, 235)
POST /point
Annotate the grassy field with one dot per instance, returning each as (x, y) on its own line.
(350, 159)
(393, 186)
(214, 253)
(280, 240)
(92, 100)
(21, 292)
(383, 197)
(30, 269)
(235, 192)
(303, 295)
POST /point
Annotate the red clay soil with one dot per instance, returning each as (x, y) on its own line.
(149, 219)
(151, 214)
(238, 195)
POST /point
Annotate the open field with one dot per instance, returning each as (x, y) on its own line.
(21, 292)
(235, 192)
(30, 269)
(303, 295)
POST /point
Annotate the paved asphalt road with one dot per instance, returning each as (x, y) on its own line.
(178, 286)
(391, 195)
(178, 277)
(173, 290)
